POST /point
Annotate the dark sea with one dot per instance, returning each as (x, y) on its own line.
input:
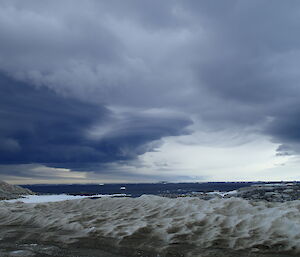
(136, 190)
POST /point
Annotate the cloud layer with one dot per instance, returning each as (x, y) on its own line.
(95, 82)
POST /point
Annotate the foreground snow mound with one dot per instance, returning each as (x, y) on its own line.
(158, 224)
(57, 198)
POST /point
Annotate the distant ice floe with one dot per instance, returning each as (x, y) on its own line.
(160, 224)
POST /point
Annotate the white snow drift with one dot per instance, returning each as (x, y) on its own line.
(156, 223)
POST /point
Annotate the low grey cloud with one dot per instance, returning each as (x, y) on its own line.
(250, 67)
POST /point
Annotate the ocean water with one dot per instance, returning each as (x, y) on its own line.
(136, 190)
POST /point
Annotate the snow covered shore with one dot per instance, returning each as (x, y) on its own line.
(158, 225)
(56, 198)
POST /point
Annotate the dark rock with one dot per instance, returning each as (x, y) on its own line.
(280, 192)
(271, 192)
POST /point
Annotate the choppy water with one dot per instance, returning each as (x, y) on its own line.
(158, 226)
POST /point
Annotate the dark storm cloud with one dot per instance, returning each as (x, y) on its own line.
(39, 126)
(127, 74)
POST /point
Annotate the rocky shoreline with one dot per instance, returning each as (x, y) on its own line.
(8, 191)
(279, 192)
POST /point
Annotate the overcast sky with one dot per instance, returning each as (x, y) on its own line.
(143, 91)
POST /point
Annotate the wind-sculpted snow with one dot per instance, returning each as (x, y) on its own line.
(157, 224)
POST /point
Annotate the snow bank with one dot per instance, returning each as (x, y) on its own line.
(54, 198)
(153, 223)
